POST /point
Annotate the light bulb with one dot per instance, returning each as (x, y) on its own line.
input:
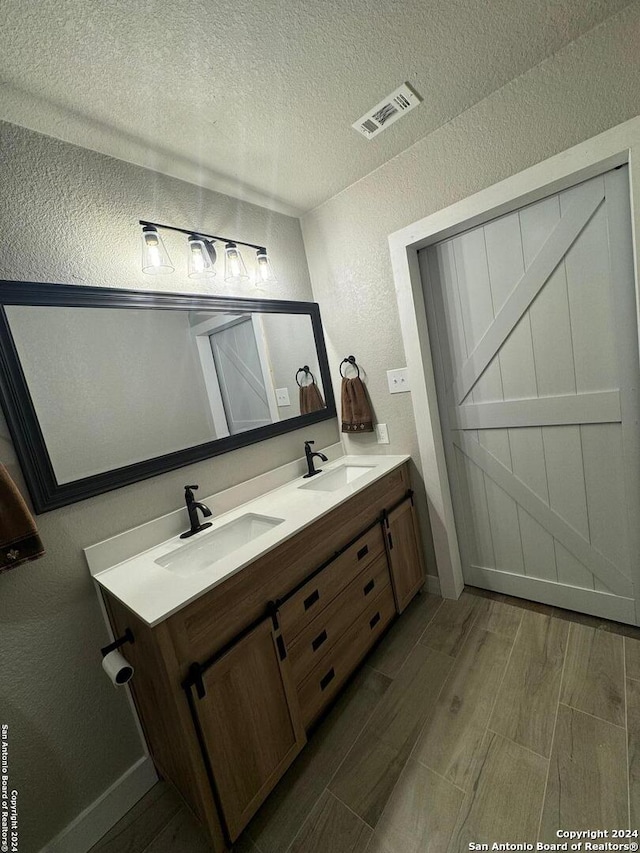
(234, 268)
(153, 254)
(155, 260)
(265, 273)
(197, 260)
(201, 257)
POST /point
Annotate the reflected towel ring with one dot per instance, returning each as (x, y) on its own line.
(350, 359)
(306, 370)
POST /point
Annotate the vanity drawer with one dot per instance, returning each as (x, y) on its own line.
(313, 597)
(320, 635)
(329, 674)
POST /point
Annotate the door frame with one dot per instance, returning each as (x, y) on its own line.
(615, 147)
(201, 333)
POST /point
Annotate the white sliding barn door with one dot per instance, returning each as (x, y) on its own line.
(532, 321)
(240, 374)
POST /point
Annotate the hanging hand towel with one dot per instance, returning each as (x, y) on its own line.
(19, 540)
(310, 399)
(356, 409)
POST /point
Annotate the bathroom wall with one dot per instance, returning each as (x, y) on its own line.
(290, 341)
(70, 215)
(591, 85)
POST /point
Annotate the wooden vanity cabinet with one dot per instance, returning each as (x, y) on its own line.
(245, 709)
(404, 552)
(227, 687)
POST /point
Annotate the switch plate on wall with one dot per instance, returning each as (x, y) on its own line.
(282, 397)
(398, 380)
(382, 434)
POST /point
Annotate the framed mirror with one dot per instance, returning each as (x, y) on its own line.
(104, 387)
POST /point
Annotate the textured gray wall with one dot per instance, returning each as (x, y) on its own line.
(290, 344)
(70, 215)
(589, 86)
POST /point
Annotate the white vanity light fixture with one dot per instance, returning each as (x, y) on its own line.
(155, 260)
(202, 256)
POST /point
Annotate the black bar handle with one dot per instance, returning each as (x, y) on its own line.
(390, 538)
(311, 599)
(368, 587)
(319, 640)
(363, 552)
(282, 650)
(374, 620)
(327, 679)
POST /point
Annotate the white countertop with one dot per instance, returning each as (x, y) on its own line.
(153, 593)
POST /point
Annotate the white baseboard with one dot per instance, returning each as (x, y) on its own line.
(433, 585)
(97, 819)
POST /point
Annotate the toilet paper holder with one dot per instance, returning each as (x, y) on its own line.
(127, 637)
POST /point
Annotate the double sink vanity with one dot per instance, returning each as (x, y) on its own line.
(245, 632)
(242, 634)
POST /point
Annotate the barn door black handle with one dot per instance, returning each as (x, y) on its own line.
(282, 649)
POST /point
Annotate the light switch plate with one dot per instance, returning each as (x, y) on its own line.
(398, 380)
(382, 434)
(282, 397)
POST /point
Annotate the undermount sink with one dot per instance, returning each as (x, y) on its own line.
(208, 548)
(330, 481)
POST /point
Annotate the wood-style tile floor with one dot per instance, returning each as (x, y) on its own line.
(487, 719)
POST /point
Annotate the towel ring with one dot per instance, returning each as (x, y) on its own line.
(350, 359)
(306, 370)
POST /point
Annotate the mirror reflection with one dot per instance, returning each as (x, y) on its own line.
(115, 386)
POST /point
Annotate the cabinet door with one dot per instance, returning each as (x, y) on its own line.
(250, 723)
(404, 551)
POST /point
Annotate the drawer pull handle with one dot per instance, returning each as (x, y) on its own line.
(319, 640)
(325, 680)
(363, 552)
(311, 600)
(368, 587)
(374, 620)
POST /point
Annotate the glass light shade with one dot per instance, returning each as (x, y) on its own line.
(155, 260)
(234, 268)
(201, 258)
(265, 273)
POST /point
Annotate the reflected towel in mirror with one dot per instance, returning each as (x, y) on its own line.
(310, 399)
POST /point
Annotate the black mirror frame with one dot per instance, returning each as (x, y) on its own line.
(17, 405)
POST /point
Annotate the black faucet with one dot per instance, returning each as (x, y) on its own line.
(192, 508)
(308, 452)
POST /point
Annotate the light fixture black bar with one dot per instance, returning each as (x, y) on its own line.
(199, 234)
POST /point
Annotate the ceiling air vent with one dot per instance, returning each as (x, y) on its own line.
(387, 111)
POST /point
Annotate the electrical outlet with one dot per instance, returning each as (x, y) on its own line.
(398, 380)
(282, 397)
(382, 434)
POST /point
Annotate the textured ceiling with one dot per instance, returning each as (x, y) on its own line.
(257, 98)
